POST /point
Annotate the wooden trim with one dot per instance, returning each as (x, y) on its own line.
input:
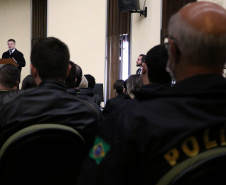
(170, 7)
(117, 23)
(39, 20)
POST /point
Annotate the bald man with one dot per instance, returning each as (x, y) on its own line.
(140, 143)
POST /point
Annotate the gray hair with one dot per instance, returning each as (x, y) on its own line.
(134, 82)
(196, 46)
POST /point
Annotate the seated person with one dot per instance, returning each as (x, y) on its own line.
(73, 81)
(9, 75)
(90, 91)
(134, 82)
(28, 82)
(140, 143)
(84, 82)
(155, 78)
(120, 97)
(49, 102)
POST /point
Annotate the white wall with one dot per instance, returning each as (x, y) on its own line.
(15, 20)
(82, 26)
(145, 30)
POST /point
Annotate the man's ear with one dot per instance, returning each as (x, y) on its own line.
(173, 58)
(173, 51)
(144, 74)
(68, 71)
(144, 68)
(33, 71)
(15, 87)
(35, 75)
(124, 90)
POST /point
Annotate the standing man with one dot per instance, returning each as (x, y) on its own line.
(139, 61)
(16, 55)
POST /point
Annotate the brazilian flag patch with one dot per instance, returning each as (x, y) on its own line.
(99, 150)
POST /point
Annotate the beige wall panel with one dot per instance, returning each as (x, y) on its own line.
(82, 26)
(145, 32)
(219, 2)
(15, 20)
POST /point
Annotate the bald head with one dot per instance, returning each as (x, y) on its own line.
(206, 17)
(199, 31)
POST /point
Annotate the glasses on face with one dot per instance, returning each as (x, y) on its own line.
(139, 59)
(166, 43)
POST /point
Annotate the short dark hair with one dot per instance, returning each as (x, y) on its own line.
(51, 58)
(9, 75)
(143, 57)
(75, 73)
(28, 82)
(70, 79)
(78, 75)
(156, 61)
(91, 80)
(12, 40)
(119, 86)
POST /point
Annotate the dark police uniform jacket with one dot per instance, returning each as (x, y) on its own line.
(89, 99)
(145, 91)
(113, 103)
(140, 143)
(48, 103)
(8, 95)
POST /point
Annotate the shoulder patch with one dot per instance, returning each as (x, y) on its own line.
(99, 150)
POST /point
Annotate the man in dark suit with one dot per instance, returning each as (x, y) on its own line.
(15, 54)
(139, 62)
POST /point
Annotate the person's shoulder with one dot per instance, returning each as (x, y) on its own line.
(5, 53)
(87, 91)
(112, 99)
(80, 100)
(11, 96)
(122, 109)
(18, 52)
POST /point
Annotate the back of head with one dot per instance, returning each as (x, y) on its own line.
(91, 80)
(134, 82)
(143, 57)
(51, 57)
(28, 82)
(9, 75)
(156, 60)
(79, 75)
(70, 80)
(119, 86)
(83, 83)
(198, 32)
(75, 76)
